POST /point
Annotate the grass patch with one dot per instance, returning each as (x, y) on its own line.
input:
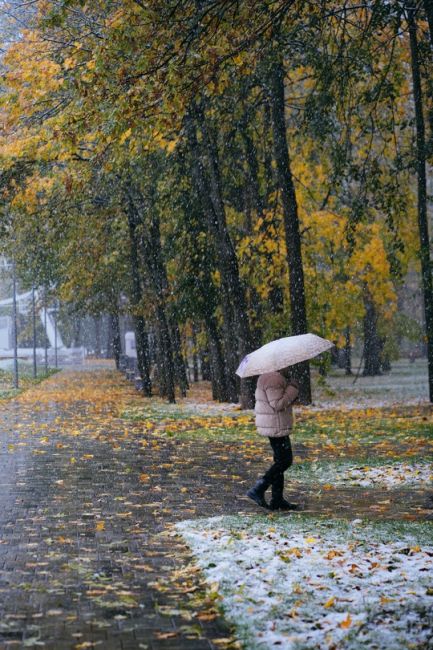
(370, 425)
(402, 433)
(25, 379)
(367, 426)
(221, 433)
(156, 414)
(378, 531)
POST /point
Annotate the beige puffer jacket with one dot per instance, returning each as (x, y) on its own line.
(274, 397)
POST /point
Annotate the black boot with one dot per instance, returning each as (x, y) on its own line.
(278, 502)
(282, 504)
(257, 493)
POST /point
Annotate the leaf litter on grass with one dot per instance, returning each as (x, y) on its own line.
(393, 432)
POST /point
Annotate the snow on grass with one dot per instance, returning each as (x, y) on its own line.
(407, 383)
(390, 475)
(295, 582)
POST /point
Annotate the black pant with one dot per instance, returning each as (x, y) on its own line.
(283, 458)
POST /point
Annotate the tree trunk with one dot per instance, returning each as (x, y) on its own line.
(194, 367)
(230, 347)
(267, 157)
(385, 360)
(248, 388)
(291, 220)
(255, 203)
(166, 355)
(142, 344)
(372, 342)
(252, 175)
(76, 328)
(233, 301)
(109, 348)
(217, 366)
(194, 355)
(97, 322)
(153, 258)
(116, 345)
(201, 186)
(179, 362)
(428, 8)
(142, 347)
(149, 256)
(205, 366)
(159, 377)
(348, 352)
(426, 274)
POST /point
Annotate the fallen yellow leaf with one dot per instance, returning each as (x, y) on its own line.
(347, 622)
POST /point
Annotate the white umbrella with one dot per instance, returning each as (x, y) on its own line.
(282, 353)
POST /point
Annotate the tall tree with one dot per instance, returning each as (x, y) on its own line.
(298, 309)
(424, 241)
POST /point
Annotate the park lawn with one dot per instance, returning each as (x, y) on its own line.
(299, 581)
(398, 432)
(302, 582)
(367, 448)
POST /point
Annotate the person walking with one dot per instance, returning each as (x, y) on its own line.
(275, 394)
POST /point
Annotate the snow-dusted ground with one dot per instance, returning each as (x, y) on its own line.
(298, 583)
(391, 475)
(406, 383)
(388, 475)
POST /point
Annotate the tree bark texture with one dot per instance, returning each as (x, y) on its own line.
(150, 259)
(141, 339)
(291, 220)
(97, 323)
(195, 376)
(216, 357)
(372, 342)
(116, 345)
(179, 362)
(348, 352)
(151, 249)
(428, 8)
(426, 271)
(206, 180)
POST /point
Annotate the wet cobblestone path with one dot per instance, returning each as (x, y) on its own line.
(82, 506)
(87, 555)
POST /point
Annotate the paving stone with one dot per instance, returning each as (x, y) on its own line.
(63, 582)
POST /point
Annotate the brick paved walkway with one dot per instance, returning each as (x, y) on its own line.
(86, 498)
(79, 524)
